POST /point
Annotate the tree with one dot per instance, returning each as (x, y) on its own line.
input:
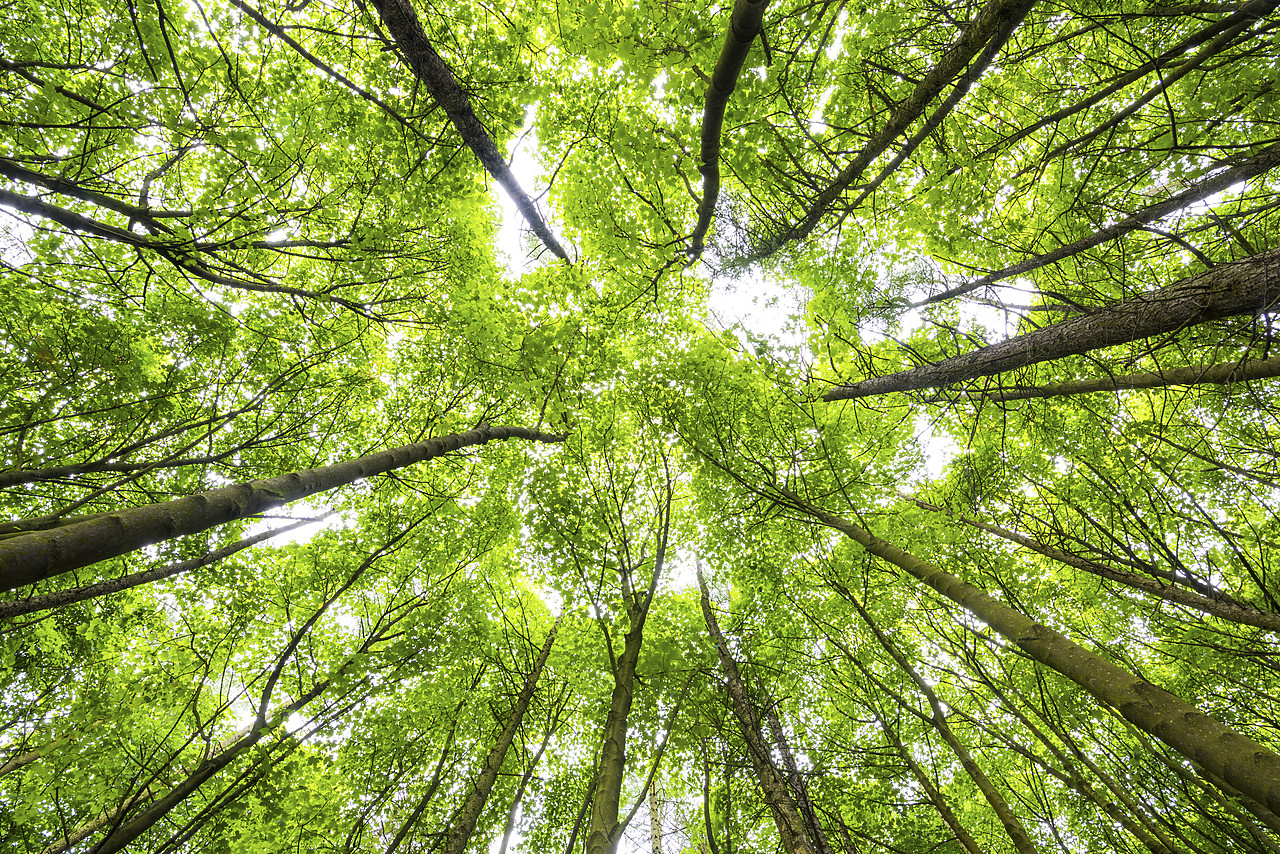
(962, 539)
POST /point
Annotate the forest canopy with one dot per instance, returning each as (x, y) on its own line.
(766, 426)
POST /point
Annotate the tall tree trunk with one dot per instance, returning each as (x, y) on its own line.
(655, 817)
(605, 830)
(60, 598)
(39, 554)
(1229, 290)
(786, 815)
(459, 833)
(1237, 759)
(402, 21)
(795, 780)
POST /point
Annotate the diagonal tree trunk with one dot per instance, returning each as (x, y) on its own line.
(38, 555)
(786, 814)
(795, 780)
(938, 720)
(459, 832)
(431, 70)
(1242, 288)
(60, 598)
(1265, 160)
(931, 791)
(1239, 760)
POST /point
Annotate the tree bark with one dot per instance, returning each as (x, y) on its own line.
(786, 815)
(402, 21)
(38, 555)
(60, 598)
(795, 780)
(655, 818)
(1239, 760)
(1223, 373)
(606, 805)
(744, 26)
(459, 832)
(1245, 287)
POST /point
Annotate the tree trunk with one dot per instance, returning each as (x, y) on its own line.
(459, 833)
(402, 21)
(795, 780)
(985, 26)
(1237, 759)
(938, 720)
(60, 598)
(605, 806)
(786, 815)
(1246, 287)
(948, 816)
(655, 817)
(37, 555)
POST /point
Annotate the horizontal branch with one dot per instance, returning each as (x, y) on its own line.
(1263, 161)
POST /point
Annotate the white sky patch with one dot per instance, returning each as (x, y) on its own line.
(523, 157)
(300, 509)
(760, 306)
(938, 449)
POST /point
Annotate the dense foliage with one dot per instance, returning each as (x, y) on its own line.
(895, 448)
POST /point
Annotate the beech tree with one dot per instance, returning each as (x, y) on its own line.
(888, 403)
